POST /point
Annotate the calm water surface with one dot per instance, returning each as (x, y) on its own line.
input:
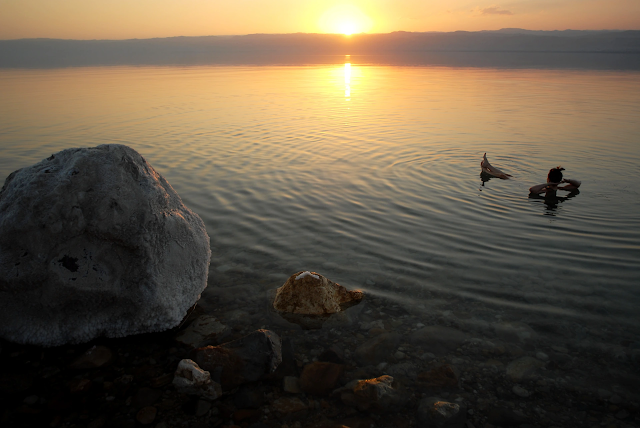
(370, 175)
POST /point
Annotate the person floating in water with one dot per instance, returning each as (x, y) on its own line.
(554, 180)
(487, 168)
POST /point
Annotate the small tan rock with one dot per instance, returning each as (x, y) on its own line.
(310, 293)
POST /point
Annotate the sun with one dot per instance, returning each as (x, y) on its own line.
(344, 19)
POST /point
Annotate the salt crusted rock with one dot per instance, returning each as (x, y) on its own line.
(437, 413)
(308, 298)
(190, 379)
(93, 242)
(376, 394)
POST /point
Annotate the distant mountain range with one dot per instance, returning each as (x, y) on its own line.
(265, 48)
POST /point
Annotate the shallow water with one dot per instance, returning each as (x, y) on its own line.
(370, 175)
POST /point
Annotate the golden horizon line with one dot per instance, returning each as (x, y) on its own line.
(316, 33)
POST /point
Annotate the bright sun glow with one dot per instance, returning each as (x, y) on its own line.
(344, 19)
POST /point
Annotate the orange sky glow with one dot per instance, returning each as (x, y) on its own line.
(124, 19)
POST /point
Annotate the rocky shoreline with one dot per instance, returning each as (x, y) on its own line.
(495, 381)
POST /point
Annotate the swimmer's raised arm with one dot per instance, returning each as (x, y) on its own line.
(539, 188)
(572, 182)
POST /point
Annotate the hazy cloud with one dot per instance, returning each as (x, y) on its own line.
(494, 10)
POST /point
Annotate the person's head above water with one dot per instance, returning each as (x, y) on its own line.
(555, 175)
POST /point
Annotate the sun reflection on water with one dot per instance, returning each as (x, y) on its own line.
(347, 80)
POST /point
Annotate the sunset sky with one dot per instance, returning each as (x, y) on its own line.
(123, 19)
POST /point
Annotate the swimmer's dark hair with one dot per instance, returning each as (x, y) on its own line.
(555, 175)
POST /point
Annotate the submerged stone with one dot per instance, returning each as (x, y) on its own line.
(377, 394)
(308, 298)
(245, 360)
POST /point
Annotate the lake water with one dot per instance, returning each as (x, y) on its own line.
(370, 175)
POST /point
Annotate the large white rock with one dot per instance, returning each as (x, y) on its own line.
(94, 242)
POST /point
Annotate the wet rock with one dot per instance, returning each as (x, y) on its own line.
(190, 379)
(30, 400)
(443, 377)
(333, 354)
(377, 349)
(288, 405)
(244, 360)
(404, 371)
(376, 394)
(434, 412)
(291, 384)
(308, 299)
(79, 386)
(438, 339)
(94, 357)
(622, 414)
(523, 368)
(616, 399)
(162, 380)
(288, 366)
(146, 415)
(95, 242)
(542, 356)
(515, 332)
(520, 391)
(203, 331)
(320, 378)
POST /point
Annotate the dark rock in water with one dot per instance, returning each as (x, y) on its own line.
(376, 395)
(437, 413)
(440, 377)
(320, 378)
(94, 242)
(377, 349)
(309, 299)
(244, 360)
(203, 331)
(333, 354)
(95, 357)
(437, 339)
(523, 368)
(288, 366)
